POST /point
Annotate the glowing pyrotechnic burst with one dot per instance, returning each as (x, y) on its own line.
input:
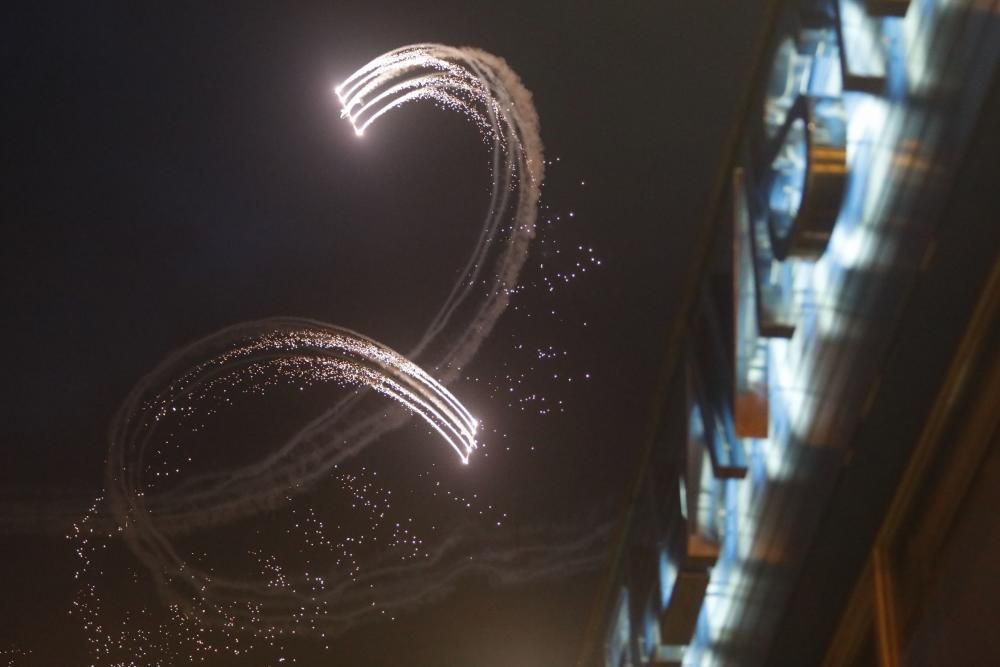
(483, 88)
(311, 351)
(343, 583)
(454, 78)
(491, 91)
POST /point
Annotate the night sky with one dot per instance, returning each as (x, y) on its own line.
(172, 172)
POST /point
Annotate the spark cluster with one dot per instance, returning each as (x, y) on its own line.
(328, 577)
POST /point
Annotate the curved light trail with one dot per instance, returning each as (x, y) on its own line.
(151, 519)
(484, 88)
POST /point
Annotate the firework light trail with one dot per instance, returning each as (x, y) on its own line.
(482, 87)
(301, 350)
(154, 518)
(486, 90)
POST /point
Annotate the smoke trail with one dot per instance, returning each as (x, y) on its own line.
(152, 519)
(240, 617)
(306, 351)
(486, 90)
(149, 518)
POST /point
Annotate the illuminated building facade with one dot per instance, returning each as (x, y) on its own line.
(833, 386)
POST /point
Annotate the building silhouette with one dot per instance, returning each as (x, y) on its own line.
(821, 471)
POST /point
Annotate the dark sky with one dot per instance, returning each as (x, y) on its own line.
(172, 171)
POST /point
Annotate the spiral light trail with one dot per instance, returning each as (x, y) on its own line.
(152, 518)
(484, 88)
